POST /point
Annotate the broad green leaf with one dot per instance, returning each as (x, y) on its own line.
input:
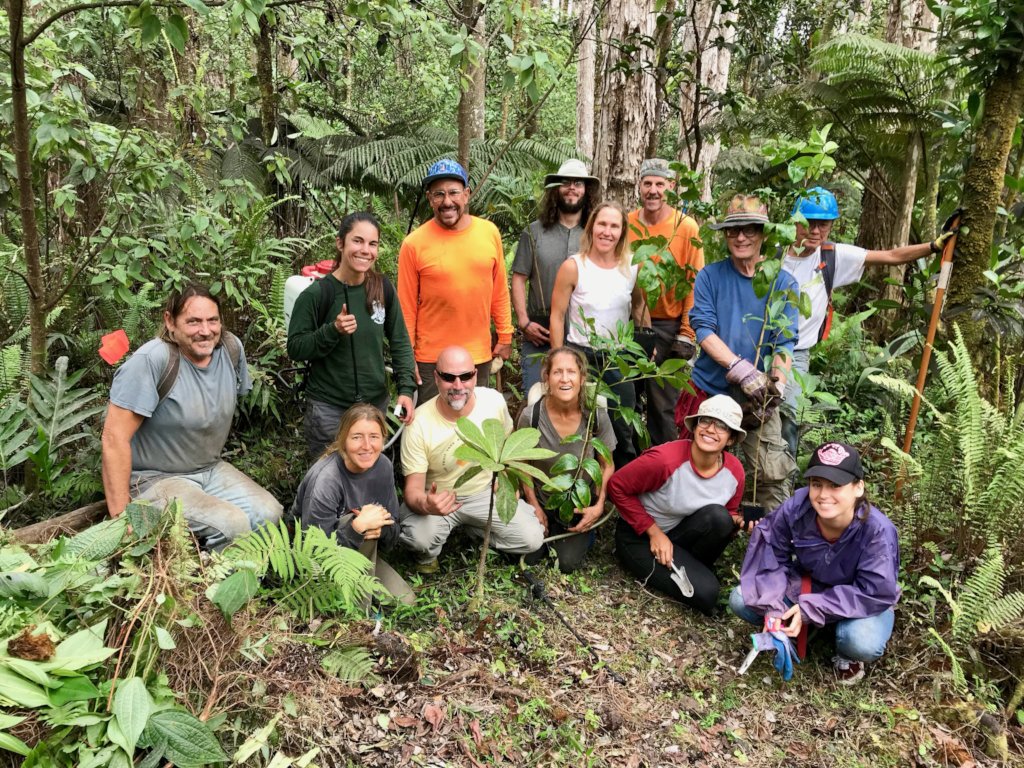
(150, 27)
(183, 739)
(536, 454)
(31, 670)
(468, 475)
(494, 432)
(13, 744)
(77, 688)
(132, 707)
(120, 759)
(9, 721)
(506, 500)
(567, 462)
(235, 591)
(116, 735)
(529, 469)
(520, 440)
(470, 433)
(177, 32)
(198, 6)
(81, 649)
(255, 742)
(559, 483)
(164, 640)
(20, 692)
(470, 454)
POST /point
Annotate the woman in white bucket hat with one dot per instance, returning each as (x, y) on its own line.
(680, 506)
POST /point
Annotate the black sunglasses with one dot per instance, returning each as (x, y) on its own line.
(451, 377)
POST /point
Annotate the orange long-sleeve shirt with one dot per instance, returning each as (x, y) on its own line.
(680, 230)
(451, 285)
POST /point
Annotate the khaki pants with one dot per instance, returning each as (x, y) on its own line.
(768, 463)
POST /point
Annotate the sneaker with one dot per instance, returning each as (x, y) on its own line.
(847, 672)
(427, 567)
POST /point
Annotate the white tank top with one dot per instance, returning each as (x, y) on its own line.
(602, 295)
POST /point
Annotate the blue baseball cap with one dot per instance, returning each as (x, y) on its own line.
(445, 168)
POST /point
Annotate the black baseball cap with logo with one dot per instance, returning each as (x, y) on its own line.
(837, 462)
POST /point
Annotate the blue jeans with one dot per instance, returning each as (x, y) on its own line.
(530, 364)
(856, 639)
(219, 503)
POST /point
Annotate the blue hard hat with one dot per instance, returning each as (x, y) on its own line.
(817, 203)
(445, 169)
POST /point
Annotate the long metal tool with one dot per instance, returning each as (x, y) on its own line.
(945, 270)
(539, 593)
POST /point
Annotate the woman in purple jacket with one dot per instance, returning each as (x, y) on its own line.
(826, 556)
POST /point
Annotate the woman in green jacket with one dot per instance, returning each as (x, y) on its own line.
(340, 324)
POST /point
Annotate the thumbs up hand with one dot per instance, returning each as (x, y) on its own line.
(344, 323)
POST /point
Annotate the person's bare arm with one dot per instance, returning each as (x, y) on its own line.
(902, 255)
(428, 502)
(565, 284)
(718, 350)
(118, 429)
(535, 333)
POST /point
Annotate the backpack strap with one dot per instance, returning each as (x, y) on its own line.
(232, 345)
(535, 416)
(323, 309)
(827, 268)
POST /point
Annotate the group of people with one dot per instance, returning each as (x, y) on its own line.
(822, 556)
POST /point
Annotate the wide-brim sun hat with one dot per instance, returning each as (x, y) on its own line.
(721, 407)
(743, 210)
(569, 170)
(445, 168)
(838, 463)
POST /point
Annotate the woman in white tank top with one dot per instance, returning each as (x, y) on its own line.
(599, 284)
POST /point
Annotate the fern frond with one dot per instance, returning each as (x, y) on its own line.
(979, 592)
(350, 665)
(1004, 611)
(955, 667)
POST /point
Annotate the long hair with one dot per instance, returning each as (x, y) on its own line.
(374, 280)
(177, 301)
(623, 256)
(549, 203)
(581, 364)
(358, 412)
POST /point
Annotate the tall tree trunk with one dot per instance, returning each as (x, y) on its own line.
(707, 37)
(983, 185)
(265, 78)
(628, 99)
(26, 192)
(471, 100)
(587, 30)
(663, 45)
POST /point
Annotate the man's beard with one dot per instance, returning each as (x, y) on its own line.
(459, 405)
(564, 206)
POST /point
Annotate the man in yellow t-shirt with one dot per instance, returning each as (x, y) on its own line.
(670, 314)
(433, 508)
(452, 281)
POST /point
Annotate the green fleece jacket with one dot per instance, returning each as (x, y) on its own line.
(350, 369)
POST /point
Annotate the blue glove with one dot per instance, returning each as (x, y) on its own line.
(785, 655)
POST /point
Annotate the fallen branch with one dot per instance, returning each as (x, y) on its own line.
(71, 522)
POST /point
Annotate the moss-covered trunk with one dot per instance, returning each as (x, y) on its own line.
(983, 185)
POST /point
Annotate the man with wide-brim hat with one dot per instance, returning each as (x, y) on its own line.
(570, 195)
(670, 313)
(746, 346)
(452, 282)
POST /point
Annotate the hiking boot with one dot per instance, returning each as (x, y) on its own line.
(427, 567)
(847, 672)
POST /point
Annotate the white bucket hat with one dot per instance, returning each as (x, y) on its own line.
(721, 407)
(570, 169)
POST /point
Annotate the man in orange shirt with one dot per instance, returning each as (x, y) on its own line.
(670, 314)
(452, 281)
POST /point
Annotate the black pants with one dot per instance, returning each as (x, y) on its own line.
(699, 541)
(570, 551)
(625, 450)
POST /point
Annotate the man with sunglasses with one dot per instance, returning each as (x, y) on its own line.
(820, 266)
(670, 315)
(433, 507)
(569, 197)
(746, 347)
(451, 280)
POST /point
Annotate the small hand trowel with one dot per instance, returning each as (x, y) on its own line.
(681, 580)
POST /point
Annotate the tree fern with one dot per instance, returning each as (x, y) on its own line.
(350, 665)
(305, 570)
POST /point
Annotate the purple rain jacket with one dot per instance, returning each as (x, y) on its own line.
(851, 579)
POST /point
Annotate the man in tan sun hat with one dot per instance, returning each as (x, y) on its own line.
(745, 352)
(570, 195)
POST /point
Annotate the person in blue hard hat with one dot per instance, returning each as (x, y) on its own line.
(452, 282)
(820, 266)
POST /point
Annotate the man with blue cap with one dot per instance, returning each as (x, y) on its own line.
(820, 266)
(452, 282)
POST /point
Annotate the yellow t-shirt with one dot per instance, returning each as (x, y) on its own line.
(680, 231)
(429, 443)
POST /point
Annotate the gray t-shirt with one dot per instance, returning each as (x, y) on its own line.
(551, 247)
(186, 432)
(550, 439)
(329, 492)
